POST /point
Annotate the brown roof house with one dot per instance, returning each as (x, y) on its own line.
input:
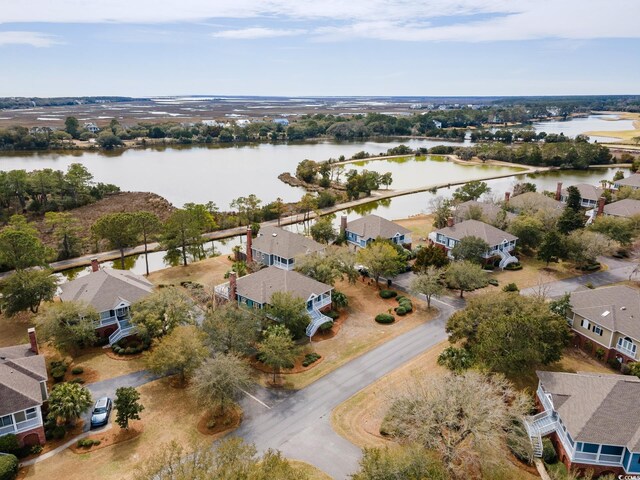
(592, 419)
(23, 390)
(533, 202)
(501, 243)
(279, 247)
(606, 322)
(111, 292)
(255, 291)
(365, 230)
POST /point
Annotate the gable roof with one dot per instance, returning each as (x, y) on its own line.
(623, 208)
(373, 226)
(106, 288)
(631, 181)
(589, 192)
(534, 201)
(621, 302)
(21, 372)
(597, 408)
(490, 211)
(285, 244)
(260, 286)
(475, 228)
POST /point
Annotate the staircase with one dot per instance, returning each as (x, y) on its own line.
(317, 319)
(121, 333)
(537, 427)
(506, 258)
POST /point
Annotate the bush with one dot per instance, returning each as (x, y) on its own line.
(332, 314)
(549, 454)
(511, 287)
(625, 369)
(455, 359)
(600, 353)
(9, 444)
(326, 326)
(400, 311)
(58, 432)
(36, 449)
(519, 443)
(8, 467)
(589, 285)
(77, 370)
(493, 281)
(58, 373)
(385, 318)
(388, 293)
(78, 380)
(513, 266)
(406, 304)
(489, 266)
(310, 358)
(401, 298)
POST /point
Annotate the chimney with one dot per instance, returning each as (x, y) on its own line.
(233, 286)
(559, 191)
(449, 221)
(33, 340)
(507, 195)
(95, 266)
(249, 238)
(601, 202)
(343, 224)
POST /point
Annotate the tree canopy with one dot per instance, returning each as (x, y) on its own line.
(69, 325)
(231, 329)
(380, 258)
(470, 248)
(162, 311)
(465, 276)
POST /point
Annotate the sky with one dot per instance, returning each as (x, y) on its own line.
(319, 48)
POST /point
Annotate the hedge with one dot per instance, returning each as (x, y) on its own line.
(513, 266)
(388, 293)
(385, 318)
(8, 467)
(9, 443)
(77, 370)
(310, 358)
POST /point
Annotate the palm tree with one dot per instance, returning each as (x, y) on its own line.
(68, 401)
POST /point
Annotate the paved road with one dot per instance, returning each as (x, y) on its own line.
(299, 425)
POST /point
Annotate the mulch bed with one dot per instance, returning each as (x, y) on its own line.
(112, 436)
(229, 422)
(337, 325)
(111, 354)
(53, 444)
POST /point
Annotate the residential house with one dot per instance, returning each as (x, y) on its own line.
(255, 291)
(487, 212)
(111, 292)
(533, 202)
(92, 127)
(279, 247)
(626, 208)
(632, 181)
(589, 194)
(23, 390)
(365, 230)
(281, 121)
(592, 419)
(606, 322)
(501, 243)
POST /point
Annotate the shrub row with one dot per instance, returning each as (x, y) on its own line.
(385, 318)
(513, 266)
(87, 443)
(388, 293)
(310, 358)
(404, 305)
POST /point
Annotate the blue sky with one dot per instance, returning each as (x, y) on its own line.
(329, 47)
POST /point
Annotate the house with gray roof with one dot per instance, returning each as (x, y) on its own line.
(256, 290)
(280, 247)
(589, 195)
(626, 208)
(23, 390)
(484, 211)
(533, 202)
(111, 292)
(365, 230)
(501, 243)
(592, 419)
(606, 322)
(632, 181)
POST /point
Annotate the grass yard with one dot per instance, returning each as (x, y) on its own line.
(106, 367)
(170, 414)
(312, 472)
(358, 333)
(420, 226)
(13, 330)
(534, 272)
(206, 272)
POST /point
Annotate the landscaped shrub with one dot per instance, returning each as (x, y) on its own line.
(326, 326)
(625, 369)
(87, 443)
(600, 353)
(8, 467)
(310, 358)
(634, 369)
(406, 304)
(36, 449)
(77, 370)
(58, 432)
(493, 281)
(589, 285)
(455, 359)
(590, 268)
(78, 380)
(332, 314)
(9, 444)
(488, 266)
(401, 311)
(549, 454)
(385, 318)
(511, 287)
(58, 373)
(614, 363)
(513, 266)
(388, 293)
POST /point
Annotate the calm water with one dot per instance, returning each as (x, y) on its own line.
(571, 128)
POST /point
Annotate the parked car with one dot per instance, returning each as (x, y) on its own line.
(101, 412)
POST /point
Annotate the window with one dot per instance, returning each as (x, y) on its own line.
(597, 330)
(6, 421)
(627, 344)
(20, 417)
(31, 413)
(611, 450)
(585, 324)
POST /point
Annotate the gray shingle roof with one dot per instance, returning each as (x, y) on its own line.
(623, 208)
(21, 372)
(261, 285)
(285, 244)
(631, 181)
(106, 288)
(373, 226)
(533, 202)
(597, 408)
(490, 211)
(475, 228)
(621, 302)
(587, 191)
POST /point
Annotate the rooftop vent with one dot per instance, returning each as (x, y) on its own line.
(274, 234)
(623, 308)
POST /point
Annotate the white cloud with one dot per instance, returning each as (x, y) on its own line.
(257, 32)
(35, 39)
(403, 20)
